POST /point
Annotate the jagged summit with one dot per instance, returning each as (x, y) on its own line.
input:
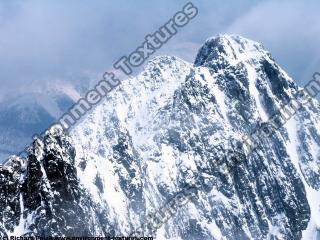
(174, 124)
(232, 48)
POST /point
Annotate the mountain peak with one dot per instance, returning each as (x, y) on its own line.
(231, 48)
(174, 124)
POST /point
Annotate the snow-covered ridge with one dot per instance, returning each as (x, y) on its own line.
(177, 120)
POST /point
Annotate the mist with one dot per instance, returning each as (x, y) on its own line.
(48, 41)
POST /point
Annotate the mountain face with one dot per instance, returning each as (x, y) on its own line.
(174, 126)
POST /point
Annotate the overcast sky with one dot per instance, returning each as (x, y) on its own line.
(42, 41)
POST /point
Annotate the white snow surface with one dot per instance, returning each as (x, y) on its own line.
(137, 105)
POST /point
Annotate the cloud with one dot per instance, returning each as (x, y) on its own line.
(290, 30)
(45, 40)
(55, 40)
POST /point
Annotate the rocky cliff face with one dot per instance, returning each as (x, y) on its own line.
(173, 125)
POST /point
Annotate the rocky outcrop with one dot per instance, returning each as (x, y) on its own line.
(174, 125)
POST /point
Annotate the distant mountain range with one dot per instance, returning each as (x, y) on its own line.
(23, 115)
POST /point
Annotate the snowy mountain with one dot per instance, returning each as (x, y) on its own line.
(174, 125)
